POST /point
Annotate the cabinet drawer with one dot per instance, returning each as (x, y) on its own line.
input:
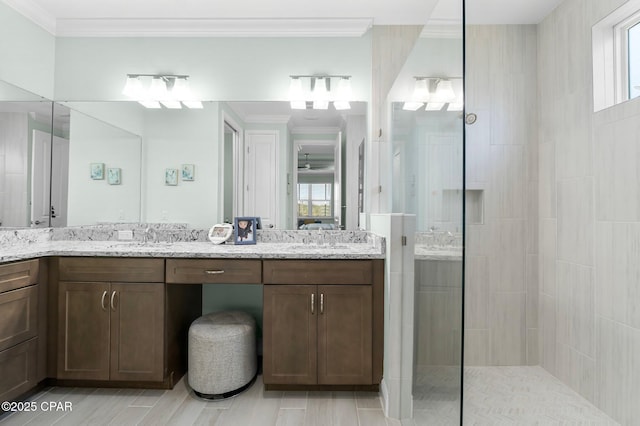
(18, 316)
(317, 272)
(111, 269)
(220, 271)
(18, 369)
(19, 274)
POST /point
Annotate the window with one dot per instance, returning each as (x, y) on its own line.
(627, 39)
(616, 56)
(314, 200)
(633, 52)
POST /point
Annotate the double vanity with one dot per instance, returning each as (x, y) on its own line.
(81, 312)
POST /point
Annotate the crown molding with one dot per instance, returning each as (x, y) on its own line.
(301, 130)
(212, 27)
(35, 13)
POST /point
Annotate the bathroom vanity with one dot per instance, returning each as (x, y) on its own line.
(100, 313)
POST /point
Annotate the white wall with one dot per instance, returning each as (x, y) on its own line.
(91, 201)
(220, 68)
(27, 53)
(589, 220)
(173, 138)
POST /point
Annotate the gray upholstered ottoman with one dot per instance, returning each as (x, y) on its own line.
(222, 354)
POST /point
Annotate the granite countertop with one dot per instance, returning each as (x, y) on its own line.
(425, 252)
(280, 246)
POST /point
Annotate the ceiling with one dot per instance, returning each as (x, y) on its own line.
(260, 17)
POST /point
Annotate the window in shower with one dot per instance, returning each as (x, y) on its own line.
(627, 39)
(616, 56)
(633, 58)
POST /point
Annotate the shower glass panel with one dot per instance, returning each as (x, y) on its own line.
(427, 163)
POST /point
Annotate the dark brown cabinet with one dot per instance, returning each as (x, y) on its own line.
(322, 330)
(19, 328)
(111, 330)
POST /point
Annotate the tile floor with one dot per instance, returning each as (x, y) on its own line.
(493, 396)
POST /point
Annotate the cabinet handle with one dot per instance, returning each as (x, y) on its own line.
(312, 304)
(104, 295)
(113, 296)
(215, 272)
(322, 303)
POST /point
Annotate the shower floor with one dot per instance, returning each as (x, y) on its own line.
(500, 396)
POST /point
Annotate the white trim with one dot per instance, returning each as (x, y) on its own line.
(212, 27)
(315, 130)
(35, 13)
(266, 119)
(384, 397)
(606, 58)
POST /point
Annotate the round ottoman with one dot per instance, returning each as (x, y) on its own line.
(222, 354)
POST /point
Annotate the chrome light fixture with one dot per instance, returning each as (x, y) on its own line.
(169, 90)
(438, 93)
(318, 91)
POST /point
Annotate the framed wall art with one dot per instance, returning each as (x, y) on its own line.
(114, 176)
(171, 177)
(96, 171)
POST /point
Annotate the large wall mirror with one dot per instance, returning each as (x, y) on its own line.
(111, 159)
(87, 163)
(26, 132)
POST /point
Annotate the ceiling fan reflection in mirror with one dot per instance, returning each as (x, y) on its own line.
(308, 166)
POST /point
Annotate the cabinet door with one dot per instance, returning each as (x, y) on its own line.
(344, 335)
(137, 331)
(290, 334)
(83, 330)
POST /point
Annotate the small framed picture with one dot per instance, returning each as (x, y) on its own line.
(114, 176)
(171, 177)
(188, 172)
(96, 171)
(244, 230)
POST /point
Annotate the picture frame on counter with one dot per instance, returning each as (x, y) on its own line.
(244, 230)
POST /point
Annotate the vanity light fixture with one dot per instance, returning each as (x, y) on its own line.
(319, 93)
(437, 93)
(170, 90)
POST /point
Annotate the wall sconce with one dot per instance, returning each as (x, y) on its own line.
(437, 93)
(319, 92)
(172, 91)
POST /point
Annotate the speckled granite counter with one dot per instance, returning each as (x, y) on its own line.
(438, 245)
(26, 244)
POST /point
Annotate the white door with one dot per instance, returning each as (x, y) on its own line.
(59, 181)
(337, 182)
(261, 190)
(41, 179)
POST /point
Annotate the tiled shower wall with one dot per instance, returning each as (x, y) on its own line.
(589, 220)
(501, 311)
